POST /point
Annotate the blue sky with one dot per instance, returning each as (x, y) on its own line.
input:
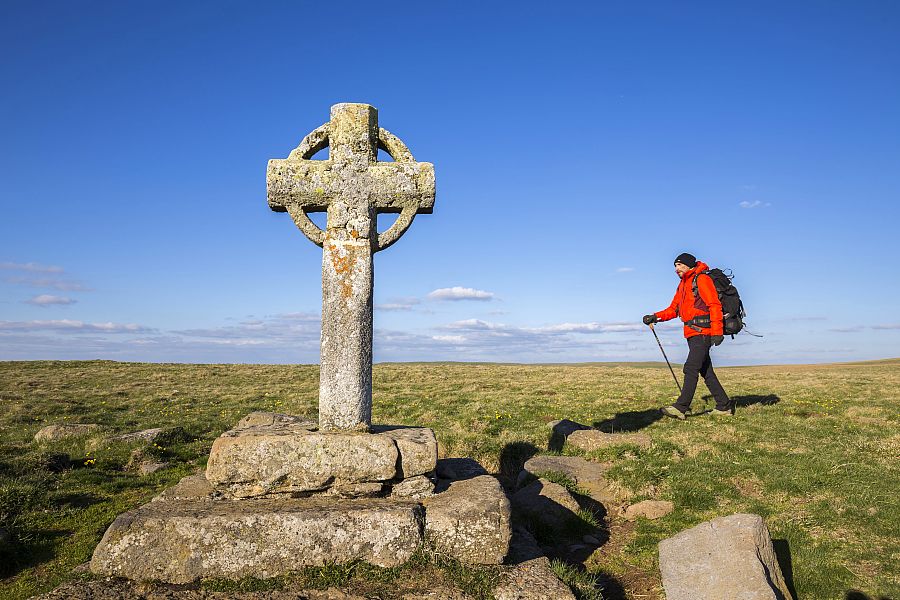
(578, 147)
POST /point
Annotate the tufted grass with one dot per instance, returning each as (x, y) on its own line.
(813, 449)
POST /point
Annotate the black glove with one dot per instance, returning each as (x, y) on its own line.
(716, 339)
(648, 319)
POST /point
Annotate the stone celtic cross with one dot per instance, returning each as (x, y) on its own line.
(353, 187)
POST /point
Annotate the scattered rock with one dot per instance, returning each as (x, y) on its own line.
(587, 475)
(455, 469)
(180, 542)
(53, 433)
(532, 580)
(84, 567)
(546, 502)
(594, 439)
(561, 430)
(149, 468)
(192, 487)
(414, 488)
(470, 521)
(649, 509)
(727, 557)
(155, 435)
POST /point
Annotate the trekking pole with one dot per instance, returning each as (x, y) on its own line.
(665, 357)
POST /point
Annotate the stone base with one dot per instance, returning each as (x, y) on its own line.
(180, 542)
(269, 454)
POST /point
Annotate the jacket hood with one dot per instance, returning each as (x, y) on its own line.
(700, 266)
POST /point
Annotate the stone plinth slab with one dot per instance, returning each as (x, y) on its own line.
(284, 458)
(588, 476)
(470, 521)
(729, 558)
(180, 542)
(417, 446)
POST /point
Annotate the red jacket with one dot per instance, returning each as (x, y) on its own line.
(687, 307)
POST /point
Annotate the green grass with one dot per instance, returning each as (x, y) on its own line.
(814, 449)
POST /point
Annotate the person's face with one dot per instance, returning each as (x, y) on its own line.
(681, 269)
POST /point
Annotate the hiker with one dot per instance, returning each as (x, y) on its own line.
(702, 317)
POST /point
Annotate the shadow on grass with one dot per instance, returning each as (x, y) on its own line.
(512, 461)
(857, 595)
(25, 551)
(767, 400)
(632, 420)
(783, 555)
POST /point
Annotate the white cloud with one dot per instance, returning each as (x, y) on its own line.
(754, 204)
(30, 267)
(400, 304)
(49, 300)
(449, 338)
(67, 325)
(460, 293)
(624, 269)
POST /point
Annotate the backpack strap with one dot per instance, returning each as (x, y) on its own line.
(694, 289)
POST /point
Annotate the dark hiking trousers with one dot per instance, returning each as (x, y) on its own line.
(699, 363)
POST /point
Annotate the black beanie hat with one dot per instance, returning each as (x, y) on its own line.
(686, 259)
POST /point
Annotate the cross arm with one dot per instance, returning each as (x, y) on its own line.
(396, 186)
(307, 184)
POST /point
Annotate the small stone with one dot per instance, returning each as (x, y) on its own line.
(53, 433)
(414, 488)
(84, 567)
(532, 580)
(727, 557)
(589, 440)
(546, 502)
(587, 475)
(180, 542)
(154, 435)
(470, 521)
(649, 509)
(192, 487)
(149, 468)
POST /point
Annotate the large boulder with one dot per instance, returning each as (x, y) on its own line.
(53, 433)
(728, 558)
(179, 542)
(470, 521)
(588, 476)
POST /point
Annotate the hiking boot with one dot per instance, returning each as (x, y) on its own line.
(671, 411)
(721, 413)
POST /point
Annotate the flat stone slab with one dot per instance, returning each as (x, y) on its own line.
(470, 521)
(649, 509)
(532, 580)
(725, 558)
(587, 475)
(183, 541)
(52, 433)
(281, 456)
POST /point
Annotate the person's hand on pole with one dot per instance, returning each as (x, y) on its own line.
(716, 339)
(650, 319)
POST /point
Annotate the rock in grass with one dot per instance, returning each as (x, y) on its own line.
(180, 542)
(156, 435)
(192, 487)
(547, 503)
(532, 580)
(649, 509)
(727, 557)
(589, 440)
(470, 521)
(53, 433)
(588, 476)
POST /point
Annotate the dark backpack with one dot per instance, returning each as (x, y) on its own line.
(732, 308)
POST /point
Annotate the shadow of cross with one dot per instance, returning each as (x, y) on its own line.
(353, 187)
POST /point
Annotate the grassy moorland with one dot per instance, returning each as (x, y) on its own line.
(814, 449)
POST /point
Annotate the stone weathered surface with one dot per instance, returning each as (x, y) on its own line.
(649, 509)
(288, 458)
(415, 488)
(192, 487)
(53, 433)
(593, 439)
(156, 434)
(549, 503)
(470, 521)
(726, 558)
(266, 418)
(587, 475)
(353, 187)
(417, 445)
(532, 580)
(179, 542)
